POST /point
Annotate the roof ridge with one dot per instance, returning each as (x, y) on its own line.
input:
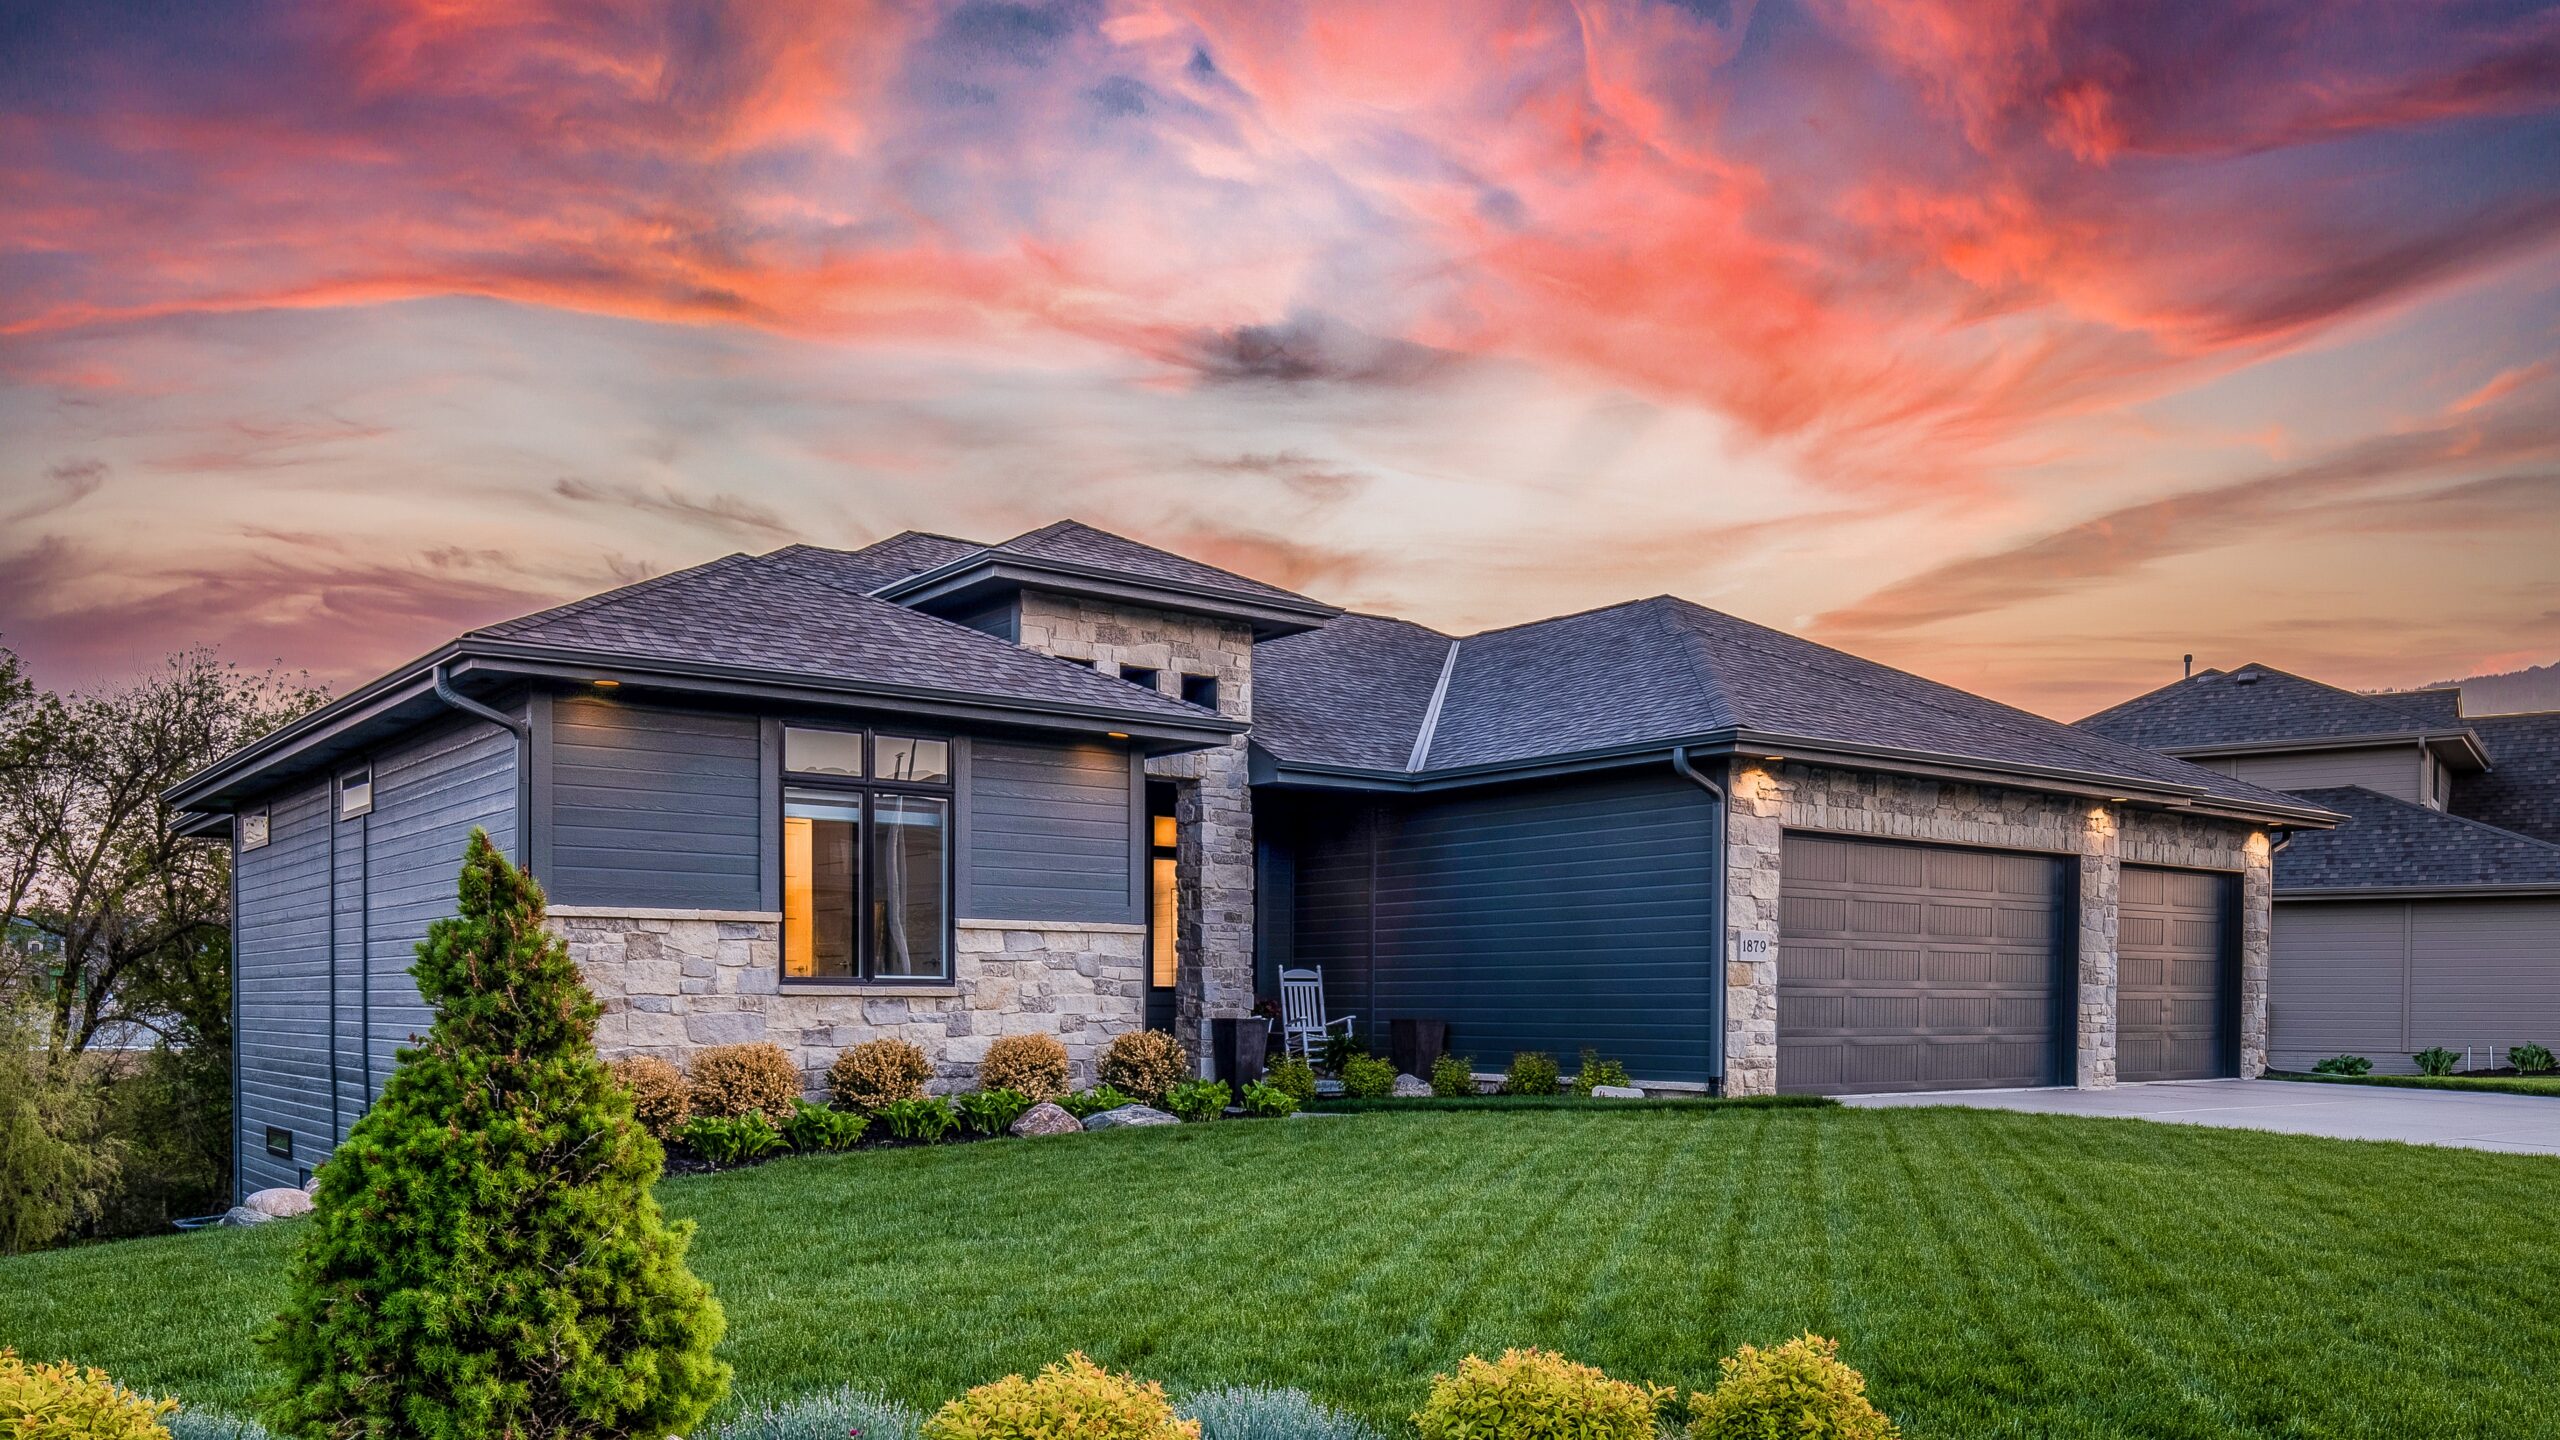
(2132, 700)
(1692, 647)
(1430, 725)
(1581, 614)
(586, 604)
(875, 544)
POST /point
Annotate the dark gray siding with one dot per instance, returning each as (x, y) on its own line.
(1051, 832)
(2385, 769)
(429, 794)
(1000, 617)
(1547, 917)
(2386, 979)
(653, 807)
(281, 990)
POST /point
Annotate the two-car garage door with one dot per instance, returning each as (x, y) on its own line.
(1938, 967)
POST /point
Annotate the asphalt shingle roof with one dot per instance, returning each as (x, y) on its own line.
(884, 562)
(2217, 707)
(1073, 543)
(772, 613)
(1650, 672)
(2389, 843)
(2521, 788)
(2440, 704)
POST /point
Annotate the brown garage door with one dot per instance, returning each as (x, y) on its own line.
(2177, 1000)
(1918, 967)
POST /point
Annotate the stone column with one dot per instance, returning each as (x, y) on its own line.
(1755, 853)
(2257, 921)
(2101, 872)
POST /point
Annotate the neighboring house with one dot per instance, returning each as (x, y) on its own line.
(2432, 915)
(1074, 784)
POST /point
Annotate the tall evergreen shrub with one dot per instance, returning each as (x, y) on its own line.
(487, 1260)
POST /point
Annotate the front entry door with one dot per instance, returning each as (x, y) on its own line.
(1163, 906)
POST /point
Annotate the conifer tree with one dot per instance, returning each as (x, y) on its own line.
(486, 1261)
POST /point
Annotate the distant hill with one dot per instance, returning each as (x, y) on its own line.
(2537, 688)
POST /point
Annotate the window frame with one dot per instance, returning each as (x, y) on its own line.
(863, 790)
(347, 779)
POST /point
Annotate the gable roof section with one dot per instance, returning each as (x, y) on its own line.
(2521, 792)
(2215, 709)
(2440, 704)
(1655, 673)
(883, 562)
(1078, 559)
(1074, 543)
(2389, 845)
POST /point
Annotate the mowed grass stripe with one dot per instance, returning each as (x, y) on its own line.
(1994, 1274)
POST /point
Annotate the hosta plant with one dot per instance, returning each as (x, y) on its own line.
(814, 1128)
(726, 1140)
(2342, 1065)
(924, 1117)
(2530, 1058)
(1264, 1100)
(2436, 1060)
(1198, 1100)
(1094, 1101)
(991, 1112)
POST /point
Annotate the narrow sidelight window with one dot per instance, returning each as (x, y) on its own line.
(866, 856)
(1162, 882)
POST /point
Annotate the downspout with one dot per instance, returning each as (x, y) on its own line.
(523, 731)
(1716, 980)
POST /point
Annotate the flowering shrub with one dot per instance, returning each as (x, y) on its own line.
(1795, 1391)
(877, 1073)
(1073, 1399)
(66, 1402)
(756, 1079)
(1535, 1395)
(659, 1100)
(1146, 1063)
(1034, 1065)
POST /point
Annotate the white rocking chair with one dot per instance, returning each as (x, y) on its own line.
(1304, 1026)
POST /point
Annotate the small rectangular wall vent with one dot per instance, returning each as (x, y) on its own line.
(279, 1142)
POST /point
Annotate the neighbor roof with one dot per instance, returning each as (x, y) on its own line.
(2259, 704)
(2522, 792)
(2389, 844)
(1653, 673)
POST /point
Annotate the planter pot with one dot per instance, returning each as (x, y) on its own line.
(1240, 1050)
(1417, 1045)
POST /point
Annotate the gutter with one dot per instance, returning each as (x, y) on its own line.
(523, 731)
(1724, 924)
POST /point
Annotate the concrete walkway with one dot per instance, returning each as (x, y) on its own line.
(2523, 1124)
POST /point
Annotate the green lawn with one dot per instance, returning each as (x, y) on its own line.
(1994, 1274)
(2501, 1084)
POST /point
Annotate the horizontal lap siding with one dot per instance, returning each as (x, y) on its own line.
(428, 797)
(2485, 974)
(1050, 832)
(281, 973)
(654, 807)
(2334, 985)
(2389, 770)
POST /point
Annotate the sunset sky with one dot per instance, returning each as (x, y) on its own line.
(2025, 345)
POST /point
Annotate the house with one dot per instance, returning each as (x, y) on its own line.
(1075, 784)
(2431, 915)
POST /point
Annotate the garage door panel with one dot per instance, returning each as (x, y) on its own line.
(1945, 975)
(2176, 967)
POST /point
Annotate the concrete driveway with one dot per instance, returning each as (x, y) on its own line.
(2523, 1124)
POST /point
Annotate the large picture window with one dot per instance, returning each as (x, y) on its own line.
(866, 857)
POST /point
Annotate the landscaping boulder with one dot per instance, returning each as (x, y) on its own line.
(1046, 1119)
(1129, 1115)
(1410, 1087)
(281, 1203)
(243, 1215)
(1616, 1092)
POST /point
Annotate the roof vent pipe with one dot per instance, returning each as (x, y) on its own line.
(2191, 667)
(1716, 980)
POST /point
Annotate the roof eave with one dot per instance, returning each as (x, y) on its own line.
(2459, 746)
(2477, 890)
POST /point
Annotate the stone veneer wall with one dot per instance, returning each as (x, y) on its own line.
(1213, 945)
(1763, 803)
(675, 981)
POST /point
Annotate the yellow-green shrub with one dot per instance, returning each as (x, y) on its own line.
(1535, 1395)
(731, 1080)
(66, 1402)
(1798, 1391)
(1146, 1063)
(659, 1099)
(1073, 1399)
(1034, 1065)
(878, 1072)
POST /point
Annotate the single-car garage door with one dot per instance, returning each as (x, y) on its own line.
(1918, 967)
(2177, 975)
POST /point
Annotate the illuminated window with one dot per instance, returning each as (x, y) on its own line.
(866, 863)
(1163, 888)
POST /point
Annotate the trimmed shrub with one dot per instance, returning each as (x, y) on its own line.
(1533, 1072)
(724, 1140)
(919, 1117)
(1297, 1078)
(752, 1079)
(1535, 1395)
(660, 1100)
(1094, 1101)
(877, 1073)
(1453, 1075)
(835, 1415)
(2342, 1065)
(2436, 1060)
(1795, 1391)
(67, 1402)
(486, 1257)
(1366, 1077)
(991, 1112)
(1145, 1063)
(1073, 1399)
(1596, 1071)
(1032, 1065)
(1257, 1412)
(1265, 1100)
(2530, 1058)
(1198, 1101)
(816, 1128)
